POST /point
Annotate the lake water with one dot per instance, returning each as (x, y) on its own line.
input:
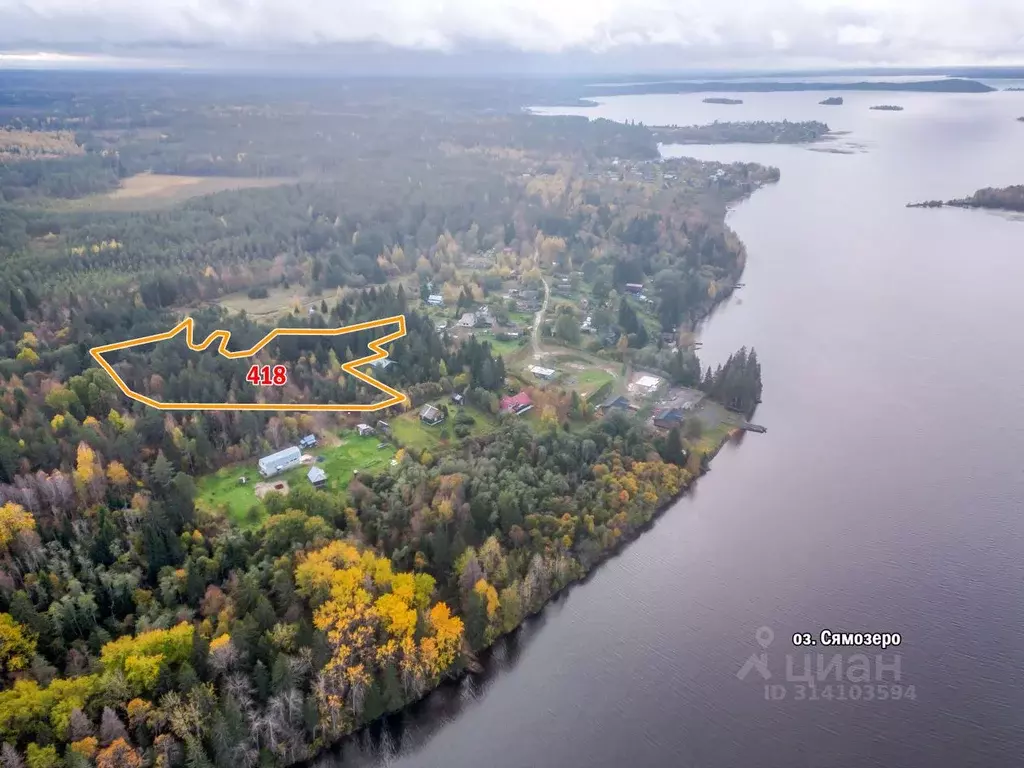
(886, 495)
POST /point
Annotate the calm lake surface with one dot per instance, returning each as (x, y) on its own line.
(887, 494)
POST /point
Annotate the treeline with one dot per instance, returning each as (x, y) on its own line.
(998, 198)
(756, 132)
(737, 384)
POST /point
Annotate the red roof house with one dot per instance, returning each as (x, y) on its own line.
(516, 404)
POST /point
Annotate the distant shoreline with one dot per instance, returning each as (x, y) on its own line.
(992, 198)
(951, 85)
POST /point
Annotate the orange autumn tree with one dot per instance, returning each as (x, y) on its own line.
(386, 639)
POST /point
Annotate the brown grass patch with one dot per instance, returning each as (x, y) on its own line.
(37, 145)
(156, 190)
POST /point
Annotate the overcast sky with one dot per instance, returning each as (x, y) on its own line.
(650, 34)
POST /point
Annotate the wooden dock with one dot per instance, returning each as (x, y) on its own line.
(748, 427)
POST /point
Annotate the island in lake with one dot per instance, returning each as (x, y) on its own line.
(995, 198)
(887, 108)
(721, 100)
(754, 132)
(832, 101)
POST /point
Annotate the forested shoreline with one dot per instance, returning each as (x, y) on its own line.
(143, 625)
(755, 132)
(995, 198)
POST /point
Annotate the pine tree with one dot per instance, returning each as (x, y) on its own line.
(674, 452)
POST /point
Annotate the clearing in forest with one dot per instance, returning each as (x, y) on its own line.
(146, 191)
(224, 489)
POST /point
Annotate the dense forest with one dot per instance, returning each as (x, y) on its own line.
(141, 628)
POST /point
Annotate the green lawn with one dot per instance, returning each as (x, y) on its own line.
(223, 487)
(354, 453)
(591, 380)
(413, 433)
(504, 348)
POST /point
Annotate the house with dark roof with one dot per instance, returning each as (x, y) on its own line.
(668, 418)
(517, 404)
(619, 403)
(431, 415)
(309, 441)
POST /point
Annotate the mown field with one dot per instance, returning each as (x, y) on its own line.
(278, 301)
(412, 432)
(339, 462)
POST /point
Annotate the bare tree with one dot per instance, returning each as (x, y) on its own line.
(79, 726)
(111, 727)
(10, 758)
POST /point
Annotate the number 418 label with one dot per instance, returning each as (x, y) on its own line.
(265, 376)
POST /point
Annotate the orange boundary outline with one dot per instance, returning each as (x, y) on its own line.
(351, 367)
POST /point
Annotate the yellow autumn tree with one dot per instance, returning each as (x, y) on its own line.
(17, 645)
(13, 520)
(28, 355)
(118, 475)
(85, 469)
(370, 616)
(119, 754)
(85, 747)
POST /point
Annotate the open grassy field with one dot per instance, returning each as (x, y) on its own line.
(504, 348)
(412, 432)
(590, 380)
(339, 461)
(279, 301)
(147, 191)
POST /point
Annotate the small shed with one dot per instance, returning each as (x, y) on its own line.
(309, 441)
(317, 477)
(383, 427)
(458, 399)
(364, 430)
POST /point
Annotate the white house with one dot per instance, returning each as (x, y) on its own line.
(278, 462)
(648, 384)
(317, 477)
(435, 300)
(468, 320)
(542, 373)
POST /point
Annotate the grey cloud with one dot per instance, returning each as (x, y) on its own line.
(707, 32)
